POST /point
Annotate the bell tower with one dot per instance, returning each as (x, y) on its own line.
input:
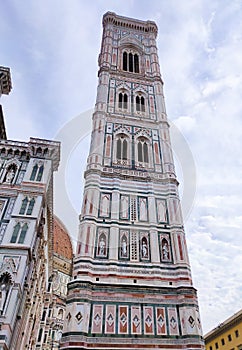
(132, 285)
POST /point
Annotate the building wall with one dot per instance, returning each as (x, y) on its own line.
(227, 336)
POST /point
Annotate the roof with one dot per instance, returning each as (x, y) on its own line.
(224, 326)
(62, 241)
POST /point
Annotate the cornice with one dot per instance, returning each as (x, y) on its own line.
(232, 321)
(36, 148)
(126, 22)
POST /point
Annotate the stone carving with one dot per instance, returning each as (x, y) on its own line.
(10, 175)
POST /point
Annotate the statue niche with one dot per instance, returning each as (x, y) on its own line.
(5, 284)
(102, 245)
(10, 174)
(165, 250)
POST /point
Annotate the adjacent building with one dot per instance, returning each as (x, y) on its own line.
(26, 238)
(132, 285)
(35, 248)
(227, 336)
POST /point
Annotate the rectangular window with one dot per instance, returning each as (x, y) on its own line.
(210, 347)
(222, 341)
(216, 345)
(237, 333)
(229, 337)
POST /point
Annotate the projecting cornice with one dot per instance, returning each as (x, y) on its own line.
(38, 148)
(134, 24)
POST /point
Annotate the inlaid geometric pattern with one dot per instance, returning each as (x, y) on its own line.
(79, 317)
(173, 323)
(136, 320)
(160, 321)
(97, 318)
(110, 323)
(191, 321)
(148, 320)
(123, 319)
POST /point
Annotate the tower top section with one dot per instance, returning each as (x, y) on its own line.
(134, 24)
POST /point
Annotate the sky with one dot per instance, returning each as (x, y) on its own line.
(52, 49)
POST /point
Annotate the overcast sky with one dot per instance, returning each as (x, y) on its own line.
(52, 49)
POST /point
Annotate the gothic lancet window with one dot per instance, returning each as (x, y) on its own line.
(23, 206)
(140, 103)
(15, 233)
(143, 156)
(136, 63)
(31, 206)
(123, 101)
(122, 148)
(19, 233)
(40, 173)
(130, 62)
(125, 65)
(37, 173)
(34, 172)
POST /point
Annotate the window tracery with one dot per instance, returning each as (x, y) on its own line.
(131, 62)
(140, 103)
(27, 202)
(123, 100)
(122, 149)
(142, 148)
(19, 233)
(37, 172)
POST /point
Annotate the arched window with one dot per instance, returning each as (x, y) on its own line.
(31, 206)
(143, 155)
(122, 101)
(125, 66)
(137, 100)
(130, 62)
(23, 206)
(136, 63)
(15, 233)
(34, 172)
(40, 173)
(125, 103)
(43, 315)
(140, 103)
(122, 148)
(23, 233)
(40, 335)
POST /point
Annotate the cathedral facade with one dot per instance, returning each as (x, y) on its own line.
(35, 248)
(132, 286)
